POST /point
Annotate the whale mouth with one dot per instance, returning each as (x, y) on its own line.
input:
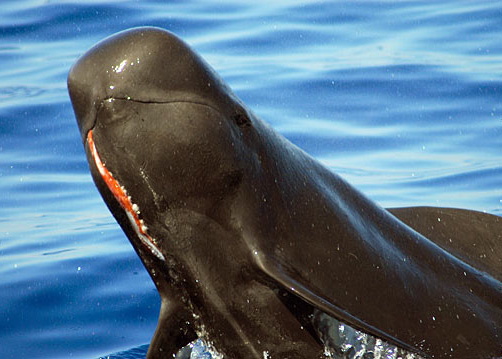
(120, 193)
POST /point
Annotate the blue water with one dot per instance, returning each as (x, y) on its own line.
(403, 99)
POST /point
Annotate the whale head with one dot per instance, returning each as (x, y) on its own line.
(162, 132)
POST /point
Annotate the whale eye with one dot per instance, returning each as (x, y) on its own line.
(242, 120)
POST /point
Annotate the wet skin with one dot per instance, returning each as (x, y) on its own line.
(244, 234)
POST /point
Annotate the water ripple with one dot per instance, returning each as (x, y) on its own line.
(400, 98)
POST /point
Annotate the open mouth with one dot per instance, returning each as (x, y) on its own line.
(120, 193)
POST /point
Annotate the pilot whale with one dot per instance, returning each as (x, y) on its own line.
(245, 235)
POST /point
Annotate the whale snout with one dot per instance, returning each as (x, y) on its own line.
(148, 65)
(125, 65)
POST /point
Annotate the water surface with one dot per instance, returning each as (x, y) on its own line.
(403, 99)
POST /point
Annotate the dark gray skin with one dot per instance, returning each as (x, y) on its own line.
(256, 233)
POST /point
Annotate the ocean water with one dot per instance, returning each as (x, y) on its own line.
(401, 98)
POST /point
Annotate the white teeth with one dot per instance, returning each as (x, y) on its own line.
(131, 209)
